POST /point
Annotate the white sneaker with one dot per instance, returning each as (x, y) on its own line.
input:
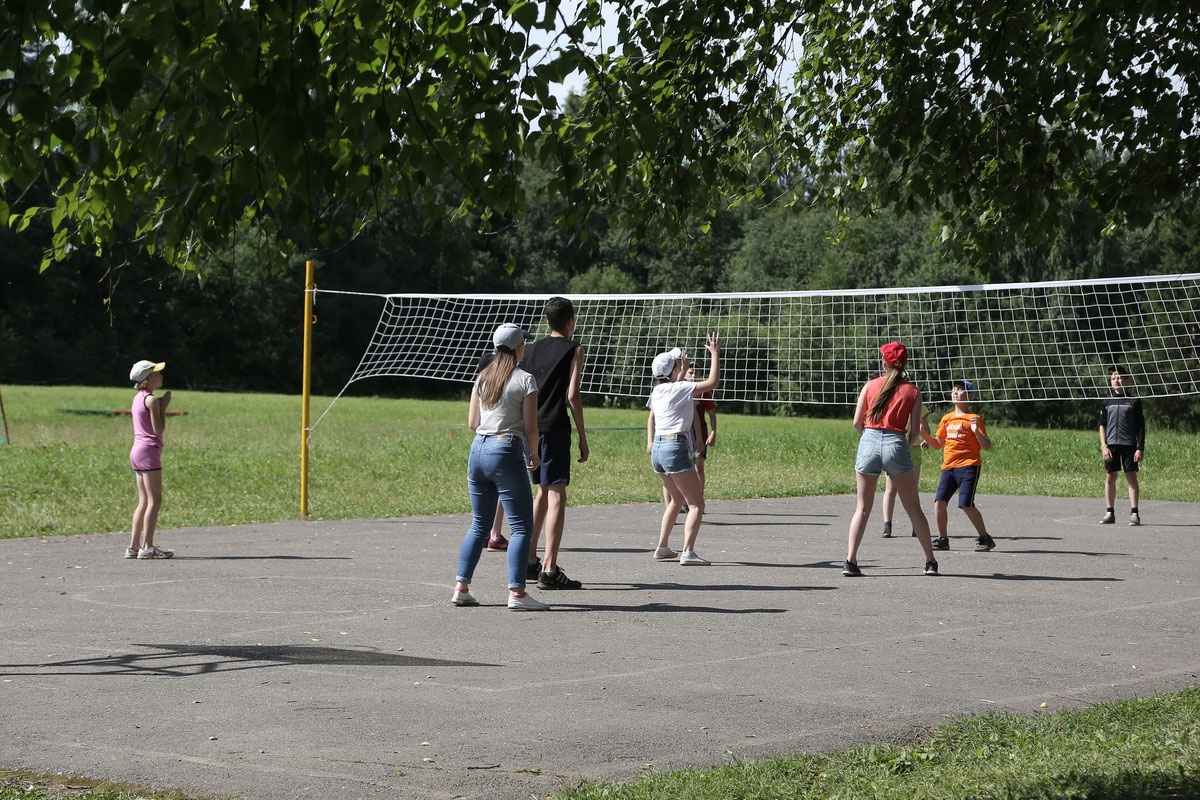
(130, 552)
(526, 603)
(689, 558)
(154, 552)
(665, 554)
(463, 599)
(1135, 519)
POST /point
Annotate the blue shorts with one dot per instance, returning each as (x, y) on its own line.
(555, 452)
(883, 451)
(960, 479)
(670, 454)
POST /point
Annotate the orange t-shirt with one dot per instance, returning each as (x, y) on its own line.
(898, 411)
(962, 447)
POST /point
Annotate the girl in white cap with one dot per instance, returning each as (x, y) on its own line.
(671, 413)
(149, 421)
(503, 414)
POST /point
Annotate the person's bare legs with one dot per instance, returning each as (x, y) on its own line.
(940, 514)
(139, 512)
(889, 499)
(497, 522)
(1110, 489)
(862, 512)
(553, 518)
(1132, 479)
(906, 487)
(539, 518)
(976, 519)
(151, 483)
(687, 486)
(674, 501)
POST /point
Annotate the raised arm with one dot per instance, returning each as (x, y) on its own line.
(713, 346)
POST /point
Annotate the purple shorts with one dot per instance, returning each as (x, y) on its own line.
(145, 457)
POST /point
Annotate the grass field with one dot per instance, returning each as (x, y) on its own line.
(234, 458)
(1145, 748)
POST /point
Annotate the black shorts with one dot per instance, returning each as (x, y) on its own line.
(555, 450)
(1122, 458)
(958, 479)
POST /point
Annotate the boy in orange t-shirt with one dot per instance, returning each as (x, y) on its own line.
(960, 435)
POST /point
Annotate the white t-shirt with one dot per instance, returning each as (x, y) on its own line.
(672, 407)
(506, 416)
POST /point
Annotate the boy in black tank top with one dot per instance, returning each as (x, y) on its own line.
(556, 362)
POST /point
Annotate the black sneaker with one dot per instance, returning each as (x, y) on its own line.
(557, 579)
(851, 570)
(533, 569)
(941, 543)
(887, 530)
(984, 543)
(931, 568)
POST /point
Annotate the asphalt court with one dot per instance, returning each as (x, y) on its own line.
(304, 659)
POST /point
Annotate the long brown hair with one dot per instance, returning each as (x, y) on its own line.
(495, 376)
(894, 376)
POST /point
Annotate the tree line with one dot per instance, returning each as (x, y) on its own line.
(232, 325)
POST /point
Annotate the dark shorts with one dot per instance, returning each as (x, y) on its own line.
(1122, 458)
(960, 479)
(555, 450)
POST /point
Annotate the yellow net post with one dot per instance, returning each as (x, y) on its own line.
(310, 289)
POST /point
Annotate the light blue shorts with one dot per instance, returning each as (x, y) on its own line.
(671, 454)
(883, 451)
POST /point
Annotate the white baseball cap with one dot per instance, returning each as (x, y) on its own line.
(664, 363)
(144, 369)
(510, 335)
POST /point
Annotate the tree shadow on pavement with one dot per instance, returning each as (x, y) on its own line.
(184, 660)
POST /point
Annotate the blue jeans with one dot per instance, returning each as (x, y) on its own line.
(496, 469)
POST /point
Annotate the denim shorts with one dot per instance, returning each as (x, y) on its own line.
(670, 454)
(883, 451)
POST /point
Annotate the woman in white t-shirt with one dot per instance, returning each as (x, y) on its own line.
(667, 441)
(503, 414)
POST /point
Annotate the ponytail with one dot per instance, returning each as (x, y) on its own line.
(894, 377)
(495, 376)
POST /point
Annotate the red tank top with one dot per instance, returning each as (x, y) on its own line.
(898, 411)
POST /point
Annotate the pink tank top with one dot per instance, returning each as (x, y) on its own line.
(143, 428)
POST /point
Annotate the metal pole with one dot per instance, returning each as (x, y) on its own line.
(5, 417)
(305, 380)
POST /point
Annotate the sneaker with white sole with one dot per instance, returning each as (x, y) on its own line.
(463, 599)
(1135, 519)
(155, 552)
(665, 554)
(557, 579)
(526, 603)
(130, 552)
(690, 558)
(1108, 519)
(887, 530)
(850, 569)
(931, 568)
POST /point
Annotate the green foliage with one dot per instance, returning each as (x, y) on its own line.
(234, 458)
(162, 126)
(1001, 116)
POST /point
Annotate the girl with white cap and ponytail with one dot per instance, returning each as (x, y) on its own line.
(503, 414)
